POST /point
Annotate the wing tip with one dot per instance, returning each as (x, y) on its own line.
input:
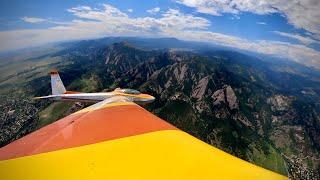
(35, 98)
(42, 97)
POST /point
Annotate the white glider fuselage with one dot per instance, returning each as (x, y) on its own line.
(100, 96)
(59, 93)
(85, 97)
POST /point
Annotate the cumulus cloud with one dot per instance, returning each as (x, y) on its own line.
(33, 20)
(153, 10)
(110, 21)
(107, 21)
(302, 14)
(216, 7)
(114, 18)
(130, 10)
(302, 39)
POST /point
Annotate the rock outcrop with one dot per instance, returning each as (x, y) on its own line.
(227, 96)
(279, 102)
(201, 87)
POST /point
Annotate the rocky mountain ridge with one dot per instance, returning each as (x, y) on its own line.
(242, 105)
(235, 113)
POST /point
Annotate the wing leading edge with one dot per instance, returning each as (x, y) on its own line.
(117, 139)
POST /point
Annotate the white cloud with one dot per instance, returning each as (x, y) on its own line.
(262, 23)
(235, 16)
(153, 10)
(42, 20)
(302, 39)
(88, 8)
(114, 18)
(130, 10)
(298, 53)
(110, 21)
(33, 20)
(303, 14)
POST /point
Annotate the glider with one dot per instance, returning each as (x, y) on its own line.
(117, 139)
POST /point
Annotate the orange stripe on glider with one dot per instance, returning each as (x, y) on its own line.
(71, 92)
(86, 128)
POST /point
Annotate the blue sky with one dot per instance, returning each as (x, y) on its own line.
(274, 27)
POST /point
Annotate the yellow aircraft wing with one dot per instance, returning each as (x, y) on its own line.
(119, 140)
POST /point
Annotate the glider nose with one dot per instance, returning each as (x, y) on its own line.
(151, 98)
(146, 99)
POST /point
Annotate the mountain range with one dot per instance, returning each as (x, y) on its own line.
(262, 110)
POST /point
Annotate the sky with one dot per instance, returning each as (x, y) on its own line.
(287, 29)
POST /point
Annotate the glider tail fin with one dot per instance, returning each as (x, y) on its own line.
(57, 86)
